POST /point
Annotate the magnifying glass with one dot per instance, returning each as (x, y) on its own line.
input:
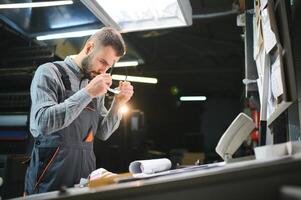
(116, 90)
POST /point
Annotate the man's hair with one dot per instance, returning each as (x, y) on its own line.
(109, 37)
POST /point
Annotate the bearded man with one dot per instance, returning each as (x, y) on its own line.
(68, 111)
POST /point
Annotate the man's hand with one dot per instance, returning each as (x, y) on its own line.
(126, 92)
(99, 85)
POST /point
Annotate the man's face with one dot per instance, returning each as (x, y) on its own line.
(99, 61)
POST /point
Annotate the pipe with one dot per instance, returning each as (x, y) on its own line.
(215, 15)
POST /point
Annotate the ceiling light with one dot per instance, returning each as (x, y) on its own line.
(13, 120)
(138, 15)
(135, 79)
(34, 4)
(193, 98)
(126, 63)
(67, 34)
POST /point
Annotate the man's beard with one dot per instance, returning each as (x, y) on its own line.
(86, 67)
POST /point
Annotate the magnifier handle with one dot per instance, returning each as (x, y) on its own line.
(115, 91)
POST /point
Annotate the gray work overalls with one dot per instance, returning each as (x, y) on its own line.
(62, 158)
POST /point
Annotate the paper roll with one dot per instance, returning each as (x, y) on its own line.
(150, 166)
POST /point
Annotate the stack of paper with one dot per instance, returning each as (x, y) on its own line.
(277, 150)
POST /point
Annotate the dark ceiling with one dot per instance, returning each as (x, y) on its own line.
(206, 58)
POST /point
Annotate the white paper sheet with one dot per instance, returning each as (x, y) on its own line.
(268, 35)
(265, 89)
(260, 65)
(263, 4)
(276, 79)
(150, 166)
(272, 101)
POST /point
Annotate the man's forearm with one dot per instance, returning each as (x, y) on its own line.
(109, 123)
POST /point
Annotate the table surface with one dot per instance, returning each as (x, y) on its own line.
(229, 179)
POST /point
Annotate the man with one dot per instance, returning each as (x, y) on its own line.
(68, 111)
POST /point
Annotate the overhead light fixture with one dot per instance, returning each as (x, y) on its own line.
(126, 63)
(34, 4)
(135, 79)
(138, 15)
(13, 120)
(71, 34)
(193, 98)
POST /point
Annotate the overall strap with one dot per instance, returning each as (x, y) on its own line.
(64, 76)
(67, 85)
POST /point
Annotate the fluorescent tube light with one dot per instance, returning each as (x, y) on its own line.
(135, 79)
(126, 63)
(13, 120)
(138, 15)
(193, 98)
(34, 4)
(67, 34)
